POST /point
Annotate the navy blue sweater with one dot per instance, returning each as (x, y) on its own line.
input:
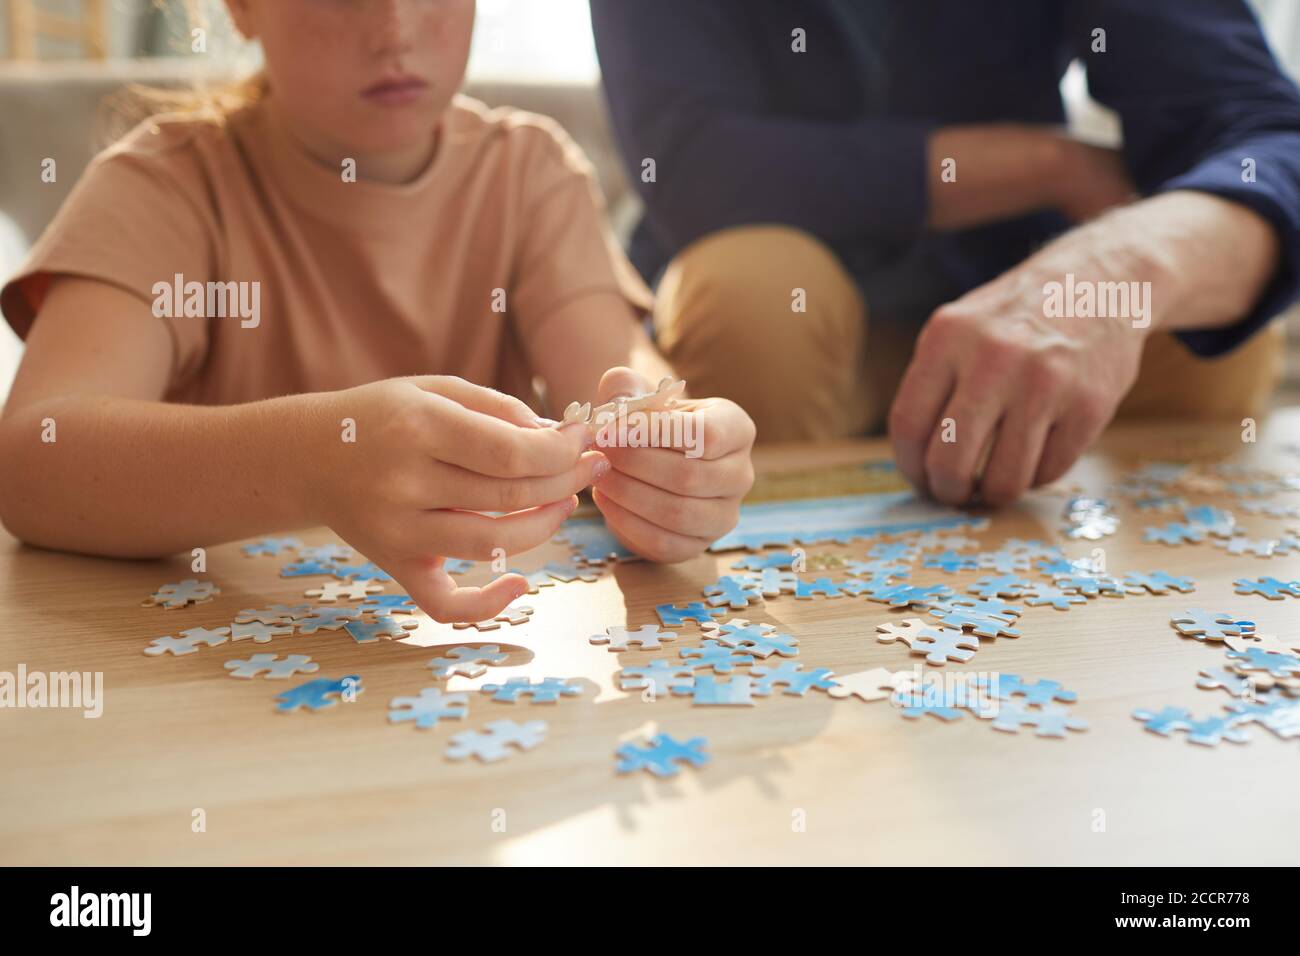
(833, 140)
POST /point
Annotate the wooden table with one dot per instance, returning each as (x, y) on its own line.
(793, 780)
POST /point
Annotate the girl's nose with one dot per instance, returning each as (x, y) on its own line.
(390, 24)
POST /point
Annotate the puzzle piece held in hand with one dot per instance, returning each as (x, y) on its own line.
(182, 594)
(647, 637)
(274, 668)
(428, 707)
(188, 642)
(467, 661)
(318, 694)
(662, 756)
(495, 741)
(546, 691)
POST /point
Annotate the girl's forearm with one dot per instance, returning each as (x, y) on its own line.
(137, 479)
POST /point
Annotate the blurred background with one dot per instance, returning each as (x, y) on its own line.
(60, 59)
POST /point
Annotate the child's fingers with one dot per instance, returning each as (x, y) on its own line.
(476, 537)
(705, 518)
(469, 490)
(490, 446)
(488, 401)
(437, 594)
(646, 539)
(728, 477)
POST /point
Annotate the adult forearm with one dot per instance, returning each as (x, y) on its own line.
(129, 478)
(1206, 259)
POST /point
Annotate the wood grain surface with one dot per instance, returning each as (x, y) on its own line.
(792, 780)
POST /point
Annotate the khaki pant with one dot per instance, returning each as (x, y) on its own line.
(723, 317)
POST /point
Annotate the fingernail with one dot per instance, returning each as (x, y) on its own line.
(601, 469)
(545, 422)
(569, 506)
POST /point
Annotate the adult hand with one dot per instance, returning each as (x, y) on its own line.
(670, 503)
(999, 397)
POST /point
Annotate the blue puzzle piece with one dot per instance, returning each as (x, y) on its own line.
(429, 707)
(1049, 720)
(1271, 588)
(733, 591)
(361, 572)
(1275, 665)
(305, 568)
(271, 546)
(1165, 721)
(318, 694)
(818, 586)
(663, 677)
(909, 595)
(1174, 533)
(546, 691)
(662, 756)
(389, 604)
(1002, 585)
(708, 691)
(717, 657)
(675, 615)
(778, 560)
(796, 680)
(592, 541)
(893, 551)
(951, 562)
(1039, 693)
(1157, 582)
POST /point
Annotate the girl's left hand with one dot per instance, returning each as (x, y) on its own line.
(670, 502)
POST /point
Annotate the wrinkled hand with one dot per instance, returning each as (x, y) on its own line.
(431, 453)
(661, 502)
(1026, 394)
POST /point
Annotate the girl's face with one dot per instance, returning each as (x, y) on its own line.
(361, 76)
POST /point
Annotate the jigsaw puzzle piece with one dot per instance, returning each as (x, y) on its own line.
(662, 756)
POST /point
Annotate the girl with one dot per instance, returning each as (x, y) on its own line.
(230, 323)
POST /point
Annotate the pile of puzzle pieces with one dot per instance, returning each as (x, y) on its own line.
(735, 661)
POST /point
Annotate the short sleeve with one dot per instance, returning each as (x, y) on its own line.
(134, 221)
(566, 250)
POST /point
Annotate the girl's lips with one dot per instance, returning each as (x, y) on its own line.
(396, 92)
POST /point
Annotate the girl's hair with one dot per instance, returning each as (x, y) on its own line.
(208, 96)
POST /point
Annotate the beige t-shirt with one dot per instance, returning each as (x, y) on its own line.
(355, 281)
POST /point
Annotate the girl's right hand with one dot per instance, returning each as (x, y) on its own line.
(430, 453)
